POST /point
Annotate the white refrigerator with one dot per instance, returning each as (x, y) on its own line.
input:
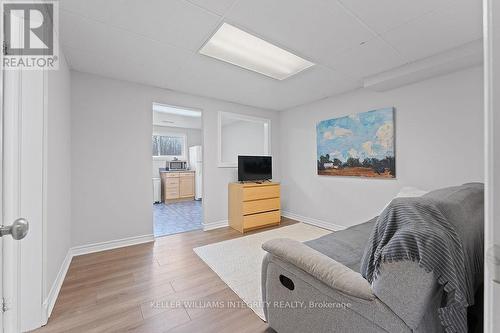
(196, 164)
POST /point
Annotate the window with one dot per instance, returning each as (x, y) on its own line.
(169, 145)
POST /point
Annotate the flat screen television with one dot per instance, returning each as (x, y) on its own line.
(252, 168)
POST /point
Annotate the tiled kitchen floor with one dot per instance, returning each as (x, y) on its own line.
(173, 218)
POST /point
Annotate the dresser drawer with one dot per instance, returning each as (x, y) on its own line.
(186, 174)
(258, 206)
(257, 220)
(261, 192)
(172, 181)
(172, 175)
(171, 194)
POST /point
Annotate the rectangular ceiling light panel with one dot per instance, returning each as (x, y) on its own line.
(240, 48)
(163, 108)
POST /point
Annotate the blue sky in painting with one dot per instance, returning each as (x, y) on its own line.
(362, 135)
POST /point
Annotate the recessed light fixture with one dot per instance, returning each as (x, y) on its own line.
(163, 108)
(240, 48)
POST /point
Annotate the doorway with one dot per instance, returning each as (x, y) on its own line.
(177, 154)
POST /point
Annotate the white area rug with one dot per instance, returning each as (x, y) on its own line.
(238, 261)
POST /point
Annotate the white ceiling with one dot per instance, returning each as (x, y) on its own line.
(156, 42)
(173, 120)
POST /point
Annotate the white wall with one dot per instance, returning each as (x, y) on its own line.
(111, 156)
(242, 138)
(58, 173)
(193, 138)
(439, 142)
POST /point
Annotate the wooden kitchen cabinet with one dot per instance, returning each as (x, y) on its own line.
(177, 185)
(186, 185)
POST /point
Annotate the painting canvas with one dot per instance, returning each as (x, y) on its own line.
(358, 145)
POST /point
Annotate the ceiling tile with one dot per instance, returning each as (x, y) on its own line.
(219, 6)
(313, 84)
(94, 38)
(438, 31)
(383, 15)
(96, 9)
(213, 78)
(209, 77)
(176, 22)
(121, 68)
(369, 58)
(314, 29)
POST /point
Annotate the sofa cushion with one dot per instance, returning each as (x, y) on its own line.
(346, 246)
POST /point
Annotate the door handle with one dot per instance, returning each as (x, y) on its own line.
(18, 230)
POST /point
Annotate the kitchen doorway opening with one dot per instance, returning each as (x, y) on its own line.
(177, 153)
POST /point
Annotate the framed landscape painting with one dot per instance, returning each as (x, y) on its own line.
(358, 145)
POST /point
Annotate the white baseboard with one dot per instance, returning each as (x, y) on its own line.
(109, 245)
(215, 225)
(312, 221)
(50, 301)
(290, 215)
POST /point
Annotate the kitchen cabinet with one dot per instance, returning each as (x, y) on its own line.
(177, 185)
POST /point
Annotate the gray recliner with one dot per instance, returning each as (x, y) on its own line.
(316, 287)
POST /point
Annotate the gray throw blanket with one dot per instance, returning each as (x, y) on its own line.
(443, 232)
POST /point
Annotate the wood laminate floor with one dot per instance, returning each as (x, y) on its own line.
(155, 287)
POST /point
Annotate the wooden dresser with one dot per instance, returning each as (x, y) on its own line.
(253, 205)
(176, 185)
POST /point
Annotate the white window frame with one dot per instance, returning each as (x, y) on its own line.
(183, 156)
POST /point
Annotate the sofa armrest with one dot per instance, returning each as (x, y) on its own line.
(320, 266)
(410, 292)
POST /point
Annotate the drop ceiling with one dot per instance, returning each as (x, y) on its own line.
(157, 42)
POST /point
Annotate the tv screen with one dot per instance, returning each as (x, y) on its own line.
(254, 168)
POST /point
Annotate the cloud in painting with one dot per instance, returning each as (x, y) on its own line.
(353, 153)
(336, 132)
(328, 135)
(385, 135)
(339, 131)
(368, 148)
(336, 154)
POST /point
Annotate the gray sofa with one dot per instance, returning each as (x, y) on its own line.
(316, 287)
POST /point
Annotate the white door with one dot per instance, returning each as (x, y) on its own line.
(22, 151)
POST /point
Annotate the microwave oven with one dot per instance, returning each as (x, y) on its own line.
(176, 165)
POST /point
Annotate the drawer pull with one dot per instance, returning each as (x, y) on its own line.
(287, 282)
